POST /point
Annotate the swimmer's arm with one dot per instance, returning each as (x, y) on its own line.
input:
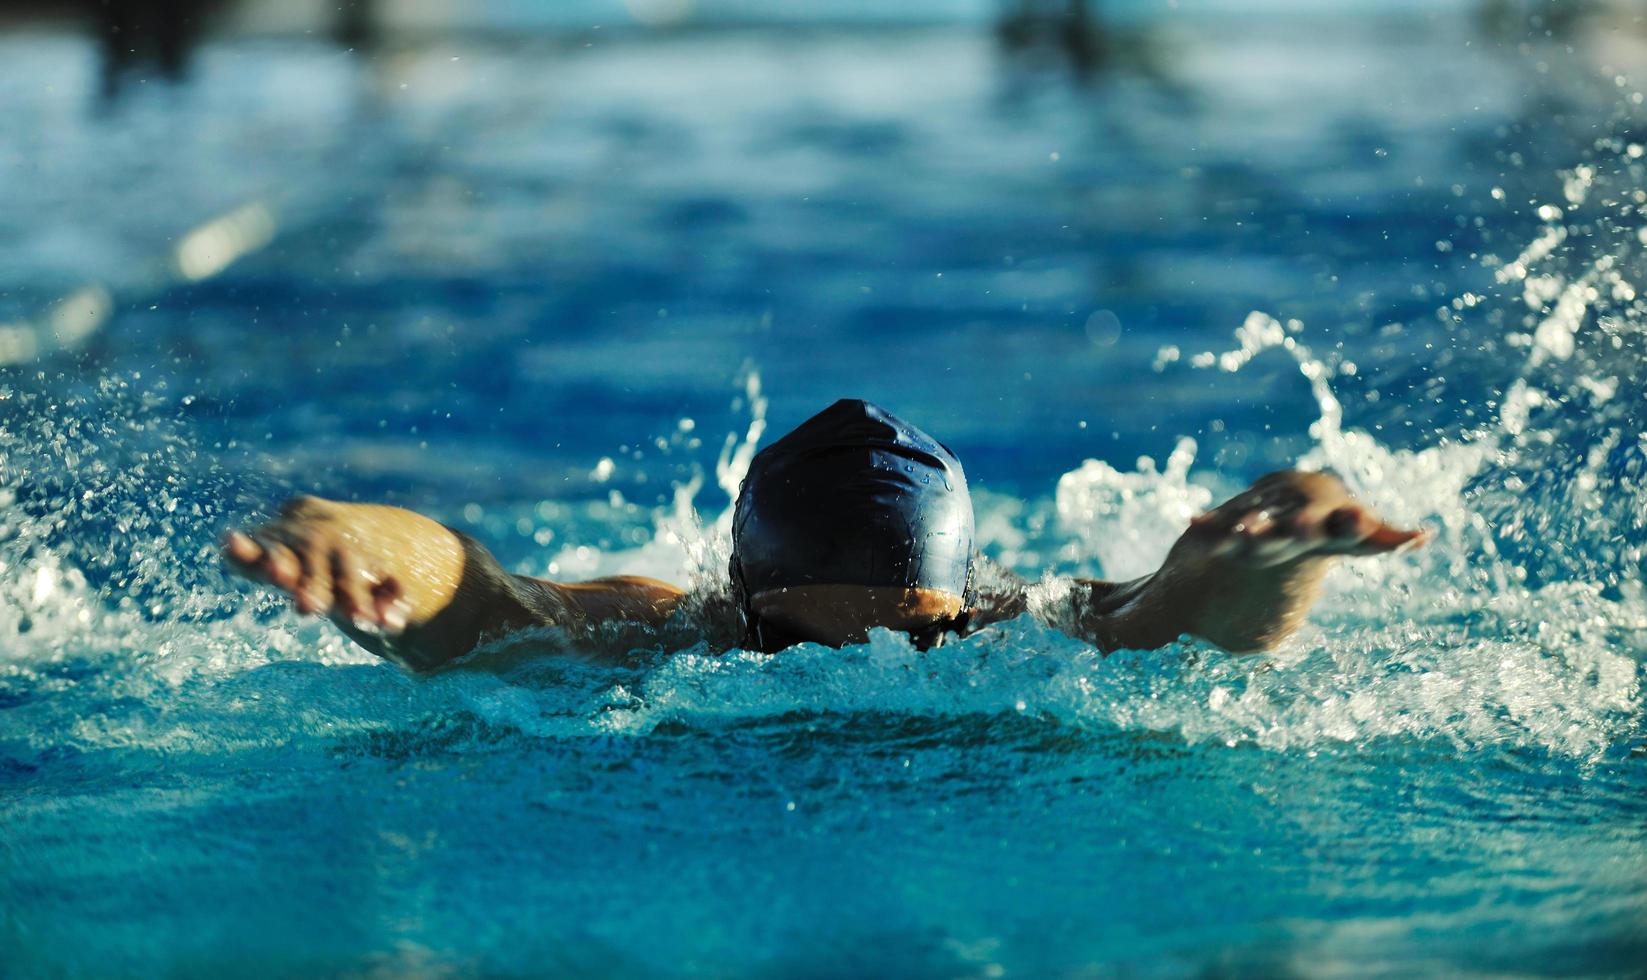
(1001, 595)
(1243, 576)
(412, 590)
(1088, 609)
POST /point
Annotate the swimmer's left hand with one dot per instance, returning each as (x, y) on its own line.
(1245, 573)
(1291, 515)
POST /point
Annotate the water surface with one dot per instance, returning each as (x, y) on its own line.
(554, 291)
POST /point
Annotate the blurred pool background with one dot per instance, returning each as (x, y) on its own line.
(549, 273)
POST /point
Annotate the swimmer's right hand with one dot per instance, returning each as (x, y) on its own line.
(375, 568)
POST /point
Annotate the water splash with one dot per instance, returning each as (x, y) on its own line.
(1522, 623)
(1402, 650)
(1128, 520)
(1521, 626)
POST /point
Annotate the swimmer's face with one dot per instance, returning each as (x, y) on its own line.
(836, 615)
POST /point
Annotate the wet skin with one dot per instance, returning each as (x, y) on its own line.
(1243, 576)
(836, 615)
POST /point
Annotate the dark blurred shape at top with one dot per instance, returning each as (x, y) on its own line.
(138, 32)
(1067, 26)
(1552, 18)
(162, 34)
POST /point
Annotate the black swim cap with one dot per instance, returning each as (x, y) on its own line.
(854, 496)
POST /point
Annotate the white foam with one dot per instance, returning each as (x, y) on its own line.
(1455, 643)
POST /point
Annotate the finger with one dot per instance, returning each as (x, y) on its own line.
(280, 566)
(351, 595)
(1277, 548)
(1313, 521)
(1254, 523)
(1348, 524)
(314, 593)
(1265, 541)
(1385, 539)
(391, 605)
(1353, 530)
(243, 555)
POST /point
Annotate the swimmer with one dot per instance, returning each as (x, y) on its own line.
(855, 520)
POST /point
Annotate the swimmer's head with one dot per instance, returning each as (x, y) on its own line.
(856, 519)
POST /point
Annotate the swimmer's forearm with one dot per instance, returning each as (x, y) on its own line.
(486, 603)
(491, 604)
(1243, 610)
(412, 590)
(1118, 615)
(1109, 615)
(1244, 574)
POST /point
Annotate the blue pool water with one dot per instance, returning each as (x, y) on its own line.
(553, 291)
